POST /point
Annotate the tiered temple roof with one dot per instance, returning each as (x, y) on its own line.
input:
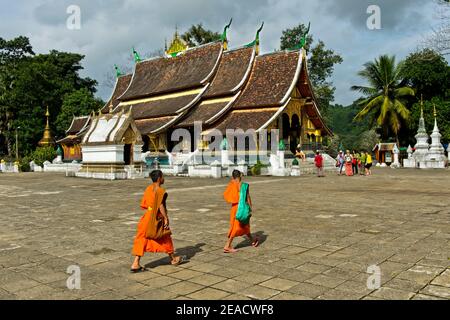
(76, 131)
(223, 89)
(121, 85)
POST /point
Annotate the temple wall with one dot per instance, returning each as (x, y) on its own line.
(103, 154)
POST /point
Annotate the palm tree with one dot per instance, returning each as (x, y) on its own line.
(385, 95)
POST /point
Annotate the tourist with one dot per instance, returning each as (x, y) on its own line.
(234, 196)
(348, 164)
(300, 154)
(362, 162)
(153, 232)
(368, 165)
(355, 162)
(318, 160)
(340, 162)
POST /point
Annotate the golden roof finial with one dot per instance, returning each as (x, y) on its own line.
(178, 45)
(435, 112)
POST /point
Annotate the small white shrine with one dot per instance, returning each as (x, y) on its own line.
(112, 148)
(426, 156)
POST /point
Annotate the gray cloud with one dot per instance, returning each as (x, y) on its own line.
(111, 27)
(395, 13)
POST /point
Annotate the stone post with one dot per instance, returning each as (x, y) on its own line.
(243, 167)
(177, 168)
(2, 166)
(295, 172)
(191, 169)
(396, 163)
(224, 157)
(16, 167)
(280, 154)
(216, 170)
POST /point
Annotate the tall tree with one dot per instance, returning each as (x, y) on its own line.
(385, 95)
(34, 82)
(321, 64)
(429, 73)
(12, 53)
(198, 35)
(439, 39)
(77, 103)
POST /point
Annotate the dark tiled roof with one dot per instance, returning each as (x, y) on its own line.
(164, 107)
(162, 75)
(146, 126)
(232, 71)
(246, 119)
(271, 78)
(121, 85)
(70, 140)
(78, 123)
(202, 113)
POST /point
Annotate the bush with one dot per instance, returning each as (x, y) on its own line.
(24, 164)
(42, 154)
(256, 169)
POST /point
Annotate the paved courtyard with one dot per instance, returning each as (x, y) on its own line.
(319, 238)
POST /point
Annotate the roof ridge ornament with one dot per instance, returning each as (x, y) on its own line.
(256, 41)
(137, 57)
(303, 39)
(224, 37)
(118, 72)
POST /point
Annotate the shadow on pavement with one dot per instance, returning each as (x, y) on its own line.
(246, 243)
(186, 252)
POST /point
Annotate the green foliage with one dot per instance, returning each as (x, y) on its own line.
(256, 169)
(77, 103)
(42, 154)
(367, 140)
(198, 35)
(291, 37)
(428, 72)
(29, 83)
(24, 164)
(386, 95)
(321, 64)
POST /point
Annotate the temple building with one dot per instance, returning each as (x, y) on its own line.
(71, 144)
(223, 89)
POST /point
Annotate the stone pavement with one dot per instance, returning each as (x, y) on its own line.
(319, 238)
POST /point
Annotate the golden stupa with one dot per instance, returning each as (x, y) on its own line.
(47, 139)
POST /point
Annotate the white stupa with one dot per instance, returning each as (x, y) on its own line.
(436, 154)
(417, 160)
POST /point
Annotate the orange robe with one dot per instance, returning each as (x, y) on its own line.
(231, 195)
(141, 243)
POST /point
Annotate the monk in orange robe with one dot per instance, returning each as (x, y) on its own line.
(141, 242)
(231, 195)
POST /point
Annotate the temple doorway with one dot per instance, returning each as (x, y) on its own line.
(294, 133)
(127, 154)
(286, 128)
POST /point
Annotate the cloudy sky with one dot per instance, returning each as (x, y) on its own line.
(109, 28)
